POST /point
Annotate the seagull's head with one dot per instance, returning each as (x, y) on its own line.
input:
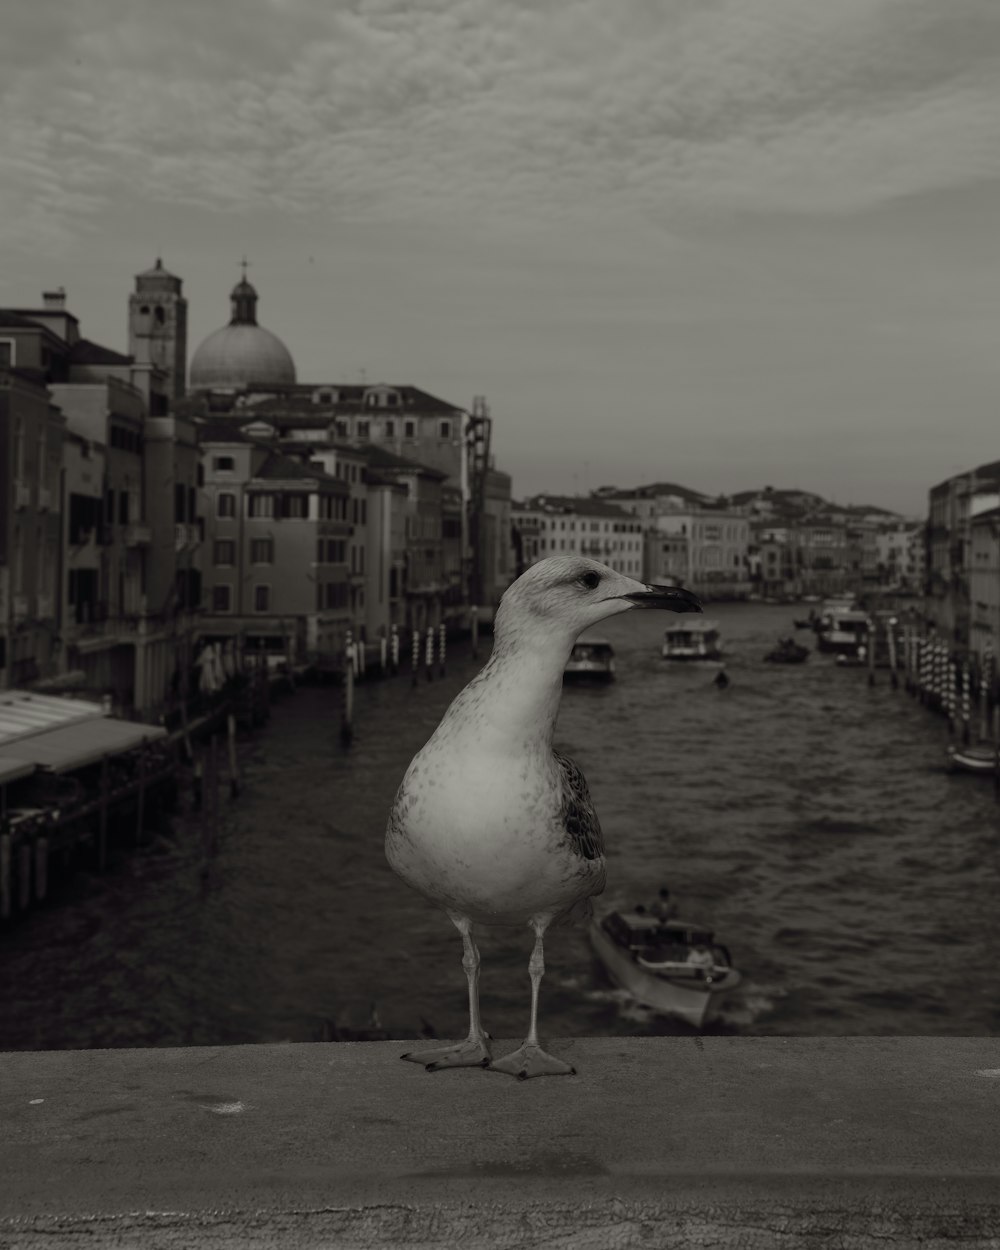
(567, 594)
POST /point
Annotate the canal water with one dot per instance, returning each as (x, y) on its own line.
(806, 818)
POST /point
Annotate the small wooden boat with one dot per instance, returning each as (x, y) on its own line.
(980, 757)
(787, 652)
(674, 967)
(695, 641)
(592, 659)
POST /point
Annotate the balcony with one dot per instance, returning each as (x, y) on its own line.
(22, 495)
(138, 534)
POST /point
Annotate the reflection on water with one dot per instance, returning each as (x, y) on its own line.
(807, 818)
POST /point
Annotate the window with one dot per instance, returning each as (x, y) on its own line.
(409, 429)
(341, 429)
(223, 464)
(159, 316)
(295, 507)
(262, 551)
(390, 429)
(260, 506)
(225, 504)
(446, 429)
(123, 507)
(224, 552)
(222, 598)
(7, 356)
(179, 500)
(363, 428)
(262, 598)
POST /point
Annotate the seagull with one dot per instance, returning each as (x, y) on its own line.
(490, 823)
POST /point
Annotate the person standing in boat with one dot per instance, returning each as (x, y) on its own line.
(663, 909)
(701, 957)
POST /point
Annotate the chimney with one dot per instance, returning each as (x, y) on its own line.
(56, 299)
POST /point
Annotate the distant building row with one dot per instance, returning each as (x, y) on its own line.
(752, 545)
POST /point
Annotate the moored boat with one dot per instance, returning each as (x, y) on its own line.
(979, 757)
(843, 629)
(696, 640)
(592, 659)
(675, 967)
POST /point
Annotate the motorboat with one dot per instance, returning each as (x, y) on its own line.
(696, 640)
(980, 757)
(592, 659)
(787, 652)
(843, 629)
(671, 965)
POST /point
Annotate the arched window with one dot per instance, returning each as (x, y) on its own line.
(159, 316)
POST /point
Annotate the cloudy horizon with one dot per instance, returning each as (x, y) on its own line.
(712, 242)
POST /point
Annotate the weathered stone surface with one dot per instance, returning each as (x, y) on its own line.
(729, 1142)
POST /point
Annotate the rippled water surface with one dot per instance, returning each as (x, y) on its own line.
(808, 819)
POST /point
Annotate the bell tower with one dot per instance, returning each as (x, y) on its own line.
(157, 325)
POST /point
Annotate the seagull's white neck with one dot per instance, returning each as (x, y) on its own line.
(522, 685)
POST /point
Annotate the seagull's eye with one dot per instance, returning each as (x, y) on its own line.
(590, 580)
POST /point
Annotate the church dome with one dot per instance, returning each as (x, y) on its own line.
(241, 353)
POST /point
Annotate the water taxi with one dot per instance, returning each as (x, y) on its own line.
(592, 659)
(694, 640)
(843, 629)
(674, 967)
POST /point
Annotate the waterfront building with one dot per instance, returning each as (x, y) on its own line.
(824, 563)
(775, 558)
(424, 585)
(244, 373)
(901, 556)
(580, 525)
(710, 544)
(984, 583)
(952, 506)
(127, 593)
(385, 605)
(31, 436)
(276, 533)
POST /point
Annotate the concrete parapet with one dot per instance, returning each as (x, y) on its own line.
(658, 1142)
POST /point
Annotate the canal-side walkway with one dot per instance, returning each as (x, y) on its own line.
(666, 1142)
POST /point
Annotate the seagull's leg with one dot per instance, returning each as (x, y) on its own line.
(529, 1059)
(474, 1052)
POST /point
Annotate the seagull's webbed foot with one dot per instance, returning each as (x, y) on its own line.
(472, 1053)
(531, 1060)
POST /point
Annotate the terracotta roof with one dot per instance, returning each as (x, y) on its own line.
(379, 458)
(279, 468)
(209, 431)
(84, 352)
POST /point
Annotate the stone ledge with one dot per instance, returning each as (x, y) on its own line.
(827, 1142)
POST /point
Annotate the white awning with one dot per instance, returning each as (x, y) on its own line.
(76, 746)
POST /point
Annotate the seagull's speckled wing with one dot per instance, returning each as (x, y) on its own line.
(578, 815)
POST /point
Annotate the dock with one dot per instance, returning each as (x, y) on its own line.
(832, 1143)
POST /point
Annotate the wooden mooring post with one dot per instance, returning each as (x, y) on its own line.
(234, 764)
(394, 651)
(347, 721)
(871, 636)
(5, 857)
(102, 828)
(24, 876)
(442, 638)
(429, 653)
(415, 649)
(891, 639)
(41, 869)
(140, 802)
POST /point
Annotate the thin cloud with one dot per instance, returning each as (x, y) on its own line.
(495, 108)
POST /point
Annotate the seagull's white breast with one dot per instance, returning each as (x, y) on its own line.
(481, 833)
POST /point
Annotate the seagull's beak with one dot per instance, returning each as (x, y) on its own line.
(673, 598)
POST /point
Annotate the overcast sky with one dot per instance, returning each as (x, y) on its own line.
(721, 242)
